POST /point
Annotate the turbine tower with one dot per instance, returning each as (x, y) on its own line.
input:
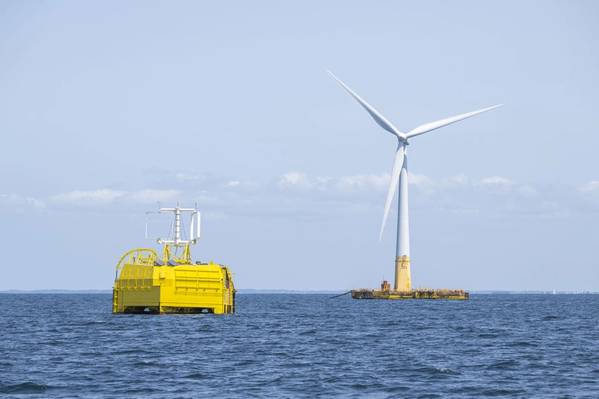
(399, 177)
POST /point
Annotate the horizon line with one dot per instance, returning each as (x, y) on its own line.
(289, 291)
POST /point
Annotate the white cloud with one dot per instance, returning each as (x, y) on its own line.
(323, 182)
(91, 197)
(186, 177)
(496, 181)
(589, 187)
(352, 183)
(457, 192)
(234, 185)
(527, 191)
(363, 182)
(106, 196)
(35, 202)
(458, 180)
(295, 180)
(152, 195)
(20, 203)
(423, 182)
(373, 182)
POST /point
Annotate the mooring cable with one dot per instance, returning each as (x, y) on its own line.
(337, 296)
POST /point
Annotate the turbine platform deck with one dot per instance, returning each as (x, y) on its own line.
(460, 295)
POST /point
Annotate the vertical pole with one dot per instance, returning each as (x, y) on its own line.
(403, 280)
(192, 227)
(177, 225)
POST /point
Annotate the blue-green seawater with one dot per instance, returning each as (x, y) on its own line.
(307, 346)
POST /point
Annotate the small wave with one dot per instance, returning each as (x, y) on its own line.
(503, 365)
(90, 354)
(24, 388)
(90, 323)
(437, 371)
(360, 386)
(523, 344)
(429, 396)
(277, 380)
(446, 370)
(461, 328)
(196, 376)
(489, 335)
(479, 391)
(331, 380)
(503, 392)
(281, 354)
(55, 342)
(146, 390)
(246, 362)
(130, 351)
(395, 389)
(143, 363)
(550, 318)
(296, 365)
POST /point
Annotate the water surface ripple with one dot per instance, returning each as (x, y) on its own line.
(70, 345)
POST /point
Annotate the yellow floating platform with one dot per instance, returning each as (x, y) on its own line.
(144, 284)
(412, 294)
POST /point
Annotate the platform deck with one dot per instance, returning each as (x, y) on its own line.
(413, 294)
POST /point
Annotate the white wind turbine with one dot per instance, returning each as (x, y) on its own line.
(399, 176)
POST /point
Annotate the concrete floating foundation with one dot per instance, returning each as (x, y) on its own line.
(421, 293)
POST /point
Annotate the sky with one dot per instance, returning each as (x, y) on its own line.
(109, 108)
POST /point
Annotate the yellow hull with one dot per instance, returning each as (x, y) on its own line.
(142, 286)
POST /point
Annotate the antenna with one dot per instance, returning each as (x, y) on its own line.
(148, 213)
(194, 231)
(194, 227)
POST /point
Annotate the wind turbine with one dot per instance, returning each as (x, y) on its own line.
(399, 177)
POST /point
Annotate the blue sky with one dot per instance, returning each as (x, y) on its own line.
(108, 107)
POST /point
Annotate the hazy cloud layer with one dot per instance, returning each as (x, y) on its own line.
(592, 186)
(106, 196)
(19, 203)
(297, 192)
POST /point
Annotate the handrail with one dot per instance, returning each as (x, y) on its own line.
(137, 256)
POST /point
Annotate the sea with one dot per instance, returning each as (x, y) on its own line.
(303, 346)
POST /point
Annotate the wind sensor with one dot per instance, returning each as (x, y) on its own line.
(194, 226)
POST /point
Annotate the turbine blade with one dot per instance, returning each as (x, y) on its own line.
(427, 127)
(397, 165)
(378, 118)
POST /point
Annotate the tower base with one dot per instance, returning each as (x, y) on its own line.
(403, 278)
(421, 293)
